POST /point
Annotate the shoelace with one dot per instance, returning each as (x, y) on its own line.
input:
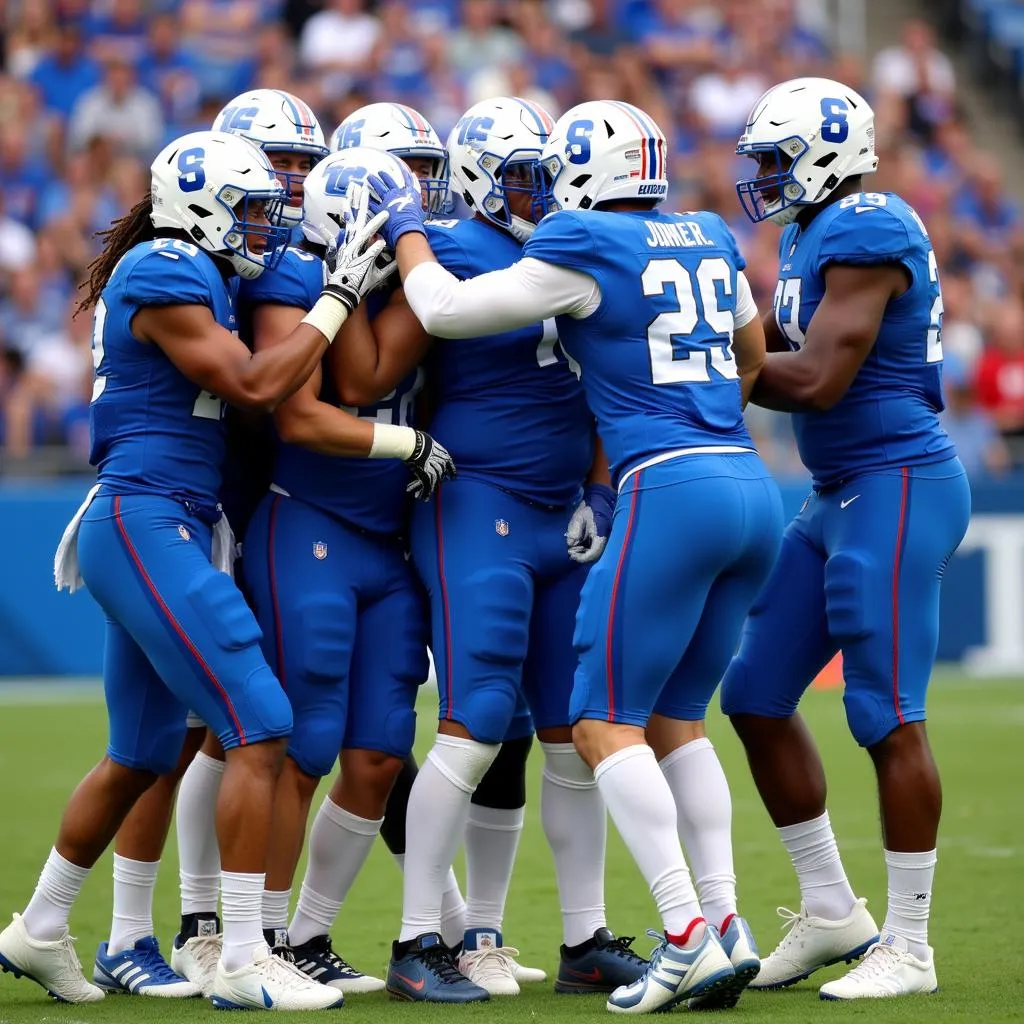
(339, 963)
(74, 965)
(621, 946)
(153, 963)
(441, 962)
(283, 970)
(878, 960)
(497, 957)
(790, 919)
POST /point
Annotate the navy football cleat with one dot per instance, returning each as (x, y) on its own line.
(601, 964)
(424, 971)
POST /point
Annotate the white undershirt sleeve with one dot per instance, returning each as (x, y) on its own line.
(746, 307)
(525, 293)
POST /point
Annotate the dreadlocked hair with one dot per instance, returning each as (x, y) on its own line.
(127, 231)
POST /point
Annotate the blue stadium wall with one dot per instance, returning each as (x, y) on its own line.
(43, 633)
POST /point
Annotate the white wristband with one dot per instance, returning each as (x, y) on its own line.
(327, 316)
(391, 442)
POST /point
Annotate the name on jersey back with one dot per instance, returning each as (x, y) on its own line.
(675, 234)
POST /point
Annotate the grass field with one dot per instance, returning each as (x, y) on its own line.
(978, 731)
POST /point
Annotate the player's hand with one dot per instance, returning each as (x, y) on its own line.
(591, 524)
(430, 465)
(356, 264)
(401, 199)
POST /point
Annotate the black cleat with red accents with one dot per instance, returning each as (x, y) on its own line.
(601, 964)
(423, 970)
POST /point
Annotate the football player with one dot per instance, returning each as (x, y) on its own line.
(648, 306)
(857, 358)
(179, 634)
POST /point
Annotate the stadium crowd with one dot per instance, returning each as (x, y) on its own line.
(89, 91)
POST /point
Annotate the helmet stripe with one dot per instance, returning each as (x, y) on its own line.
(417, 122)
(542, 121)
(655, 140)
(631, 113)
(301, 114)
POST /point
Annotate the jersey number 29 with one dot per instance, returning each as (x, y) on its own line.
(671, 363)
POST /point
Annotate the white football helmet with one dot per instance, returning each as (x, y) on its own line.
(819, 132)
(326, 189)
(208, 184)
(277, 122)
(600, 151)
(491, 138)
(403, 132)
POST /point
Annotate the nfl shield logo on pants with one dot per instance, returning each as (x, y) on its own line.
(501, 527)
(320, 550)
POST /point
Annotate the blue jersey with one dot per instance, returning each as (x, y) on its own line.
(509, 409)
(152, 429)
(656, 355)
(366, 493)
(889, 416)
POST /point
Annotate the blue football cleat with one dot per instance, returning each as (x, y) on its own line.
(140, 971)
(741, 949)
(424, 971)
(601, 964)
(675, 974)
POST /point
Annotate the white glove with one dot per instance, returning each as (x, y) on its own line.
(590, 524)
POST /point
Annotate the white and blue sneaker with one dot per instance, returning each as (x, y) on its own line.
(271, 983)
(675, 974)
(140, 971)
(741, 949)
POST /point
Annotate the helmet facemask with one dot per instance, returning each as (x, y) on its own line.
(257, 237)
(775, 193)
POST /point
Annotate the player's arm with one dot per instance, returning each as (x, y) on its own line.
(218, 362)
(600, 473)
(748, 340)
(369, 360)
(839, 337)
(774, 339)
(303, 419)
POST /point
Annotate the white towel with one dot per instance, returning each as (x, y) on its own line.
(65, 561)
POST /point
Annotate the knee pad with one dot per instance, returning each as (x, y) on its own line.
(223, 610)
(870, 717)
(504, 784)
(462, 762)
(564, 767)
(847, 604)
(316, 741)
(157, 752)
(261, 711)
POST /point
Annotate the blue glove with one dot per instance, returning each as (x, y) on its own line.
(403, 202)
(591, 523)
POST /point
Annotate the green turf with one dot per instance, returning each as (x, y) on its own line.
(976, 728)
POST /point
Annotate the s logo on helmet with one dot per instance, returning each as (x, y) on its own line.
(577, 141)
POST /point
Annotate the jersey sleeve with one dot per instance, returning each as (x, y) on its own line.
(296, 281)
(170, 277)
(448, 248)
(866, 235)
(564, 240)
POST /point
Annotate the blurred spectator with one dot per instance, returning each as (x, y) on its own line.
(1000, 377)
(919, 74)
(338, 43)
(981, 448)
(168, 71)
(121, 110)
(64, 74)
(30, 39)
(400, 59)
(723, 98)
(17, 243)
(480, 41)
(22, 176)
(219, 36)
(117, 30)
(29, 312)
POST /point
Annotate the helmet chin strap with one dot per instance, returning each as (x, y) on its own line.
(521, 229)
(786, 216)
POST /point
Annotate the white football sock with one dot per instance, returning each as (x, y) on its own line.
(46, 916)
(704, 808)
(492, 838)
(811, 846)
(641, 805)
(339, 844)
(198, 852)
(435, 825)
(453, 906)
(134, 882)
(910, 898)
(576, 826)
(275, 909)
(241, 900)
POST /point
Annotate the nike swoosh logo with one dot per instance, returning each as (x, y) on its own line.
(848, 501)
(400, 203)
(594, 974)
(416, 986)
(267, 1001)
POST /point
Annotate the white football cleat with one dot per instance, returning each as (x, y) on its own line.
(271, 983)
(888, 969)
(675, 974)
(196, 960)
(489, 964)
(528, 975)
(811, 943)
(53, 965)
(741, 949)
